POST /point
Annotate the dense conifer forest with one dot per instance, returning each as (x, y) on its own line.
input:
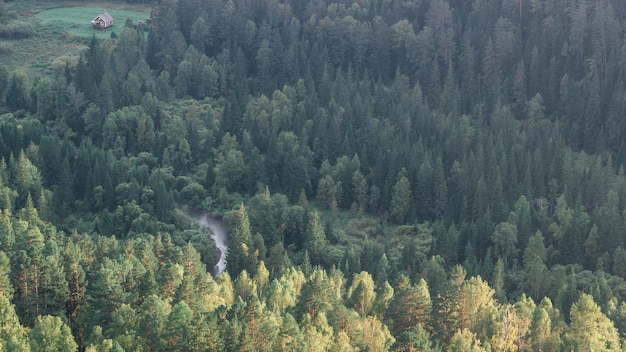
(396, 175)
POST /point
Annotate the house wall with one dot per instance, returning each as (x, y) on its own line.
(99, 22)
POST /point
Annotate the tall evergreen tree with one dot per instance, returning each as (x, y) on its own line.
(590, 329)
(401, 198)
(240, 249)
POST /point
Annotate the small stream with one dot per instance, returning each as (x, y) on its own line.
(219, 234)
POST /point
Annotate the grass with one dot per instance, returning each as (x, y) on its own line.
(76, 20)
(62, 31)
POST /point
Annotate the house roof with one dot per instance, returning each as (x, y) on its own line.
(105, 17)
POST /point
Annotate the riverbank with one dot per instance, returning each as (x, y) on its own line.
(219, 235)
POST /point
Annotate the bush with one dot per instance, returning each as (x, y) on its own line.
(17, 30)
(362, 228)
(59, 64)
(6, 48)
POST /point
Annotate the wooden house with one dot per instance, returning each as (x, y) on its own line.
(102, 21)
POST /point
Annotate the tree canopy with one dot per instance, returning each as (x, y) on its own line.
(395, 175)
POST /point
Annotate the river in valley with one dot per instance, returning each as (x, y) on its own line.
(219, 234)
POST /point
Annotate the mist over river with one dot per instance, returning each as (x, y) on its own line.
(219, 234)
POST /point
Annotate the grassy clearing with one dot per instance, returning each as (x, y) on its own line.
(62, 31)
(76, 20)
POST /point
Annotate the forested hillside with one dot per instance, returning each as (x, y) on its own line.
(403, 175)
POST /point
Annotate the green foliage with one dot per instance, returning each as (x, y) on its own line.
(362, 293)
(400, 199)
(240, 252)
(17, 94)
(504, 238)
(317, 242)
(316, 296)
(410, 306)
(414, 137)
(51, 334)
(590, 329)
(546, 327)
(13, 336)
(67, 18)
(416, 339)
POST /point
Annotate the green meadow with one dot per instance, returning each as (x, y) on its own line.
(76, 20)
(60, 32)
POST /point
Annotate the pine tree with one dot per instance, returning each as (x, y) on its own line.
(104, 297)
(447, 317)
(6, 288)
(50, 333)
(316, 295)
(410, 306)
(545, 329)
(13, 336)
(240, 241)
(590, 329)
(290, 337)
(476, 306)
(400, 198)
(317, 241)
(534, 265)
(317, 334)
(18, 93)
(4, 81)
(376, 335)
(54, 287)
(362, 293)
(28, 272)
(261, 279)
(153, 321)
(416, 339)
(179, 333)
(505, 240)
(466, 341)
(245, 287)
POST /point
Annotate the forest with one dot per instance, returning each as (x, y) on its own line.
(396, 175)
